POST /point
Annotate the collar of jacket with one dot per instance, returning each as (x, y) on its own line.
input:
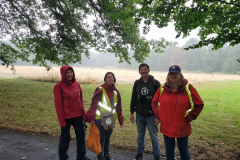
(109, 87)
(150, 78)
(182, 87)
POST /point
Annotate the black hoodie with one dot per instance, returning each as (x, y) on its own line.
(142, 95)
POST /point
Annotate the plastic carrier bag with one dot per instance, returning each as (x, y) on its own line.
(94, 139)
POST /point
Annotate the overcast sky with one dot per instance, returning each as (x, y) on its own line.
(168, 33)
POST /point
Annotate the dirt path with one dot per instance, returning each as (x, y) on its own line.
(18, 146)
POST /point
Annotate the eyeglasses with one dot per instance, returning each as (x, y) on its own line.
(110, 77)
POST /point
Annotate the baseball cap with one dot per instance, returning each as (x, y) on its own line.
(174, 69)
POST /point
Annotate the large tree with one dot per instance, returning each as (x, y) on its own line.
(217, 20)
(62, 30)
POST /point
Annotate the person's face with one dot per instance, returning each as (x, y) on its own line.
(109, 79)
(69, 74)
(144, 71)
(174, 77)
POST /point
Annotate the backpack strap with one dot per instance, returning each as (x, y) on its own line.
(190, 98)
(154, 83)
(160, 90)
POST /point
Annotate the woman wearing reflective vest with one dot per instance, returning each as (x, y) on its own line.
(106, 99)
(176, 104)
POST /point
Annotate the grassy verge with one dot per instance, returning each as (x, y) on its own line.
(28, 106)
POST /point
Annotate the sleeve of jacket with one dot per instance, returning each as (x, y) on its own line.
(134, 97)
(155, 101)
(119, 108)
(82, 103)
(198, 105)
(59, 105)
(97, 96)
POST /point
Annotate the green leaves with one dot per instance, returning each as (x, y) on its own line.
(61, 31)
(218, 19)
(159, 45)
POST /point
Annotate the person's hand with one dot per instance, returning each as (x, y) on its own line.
(132, 118)
(156, 122)
(92, 122)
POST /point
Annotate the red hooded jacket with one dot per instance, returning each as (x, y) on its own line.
(173, 107)
(97, 97)
(68, 98)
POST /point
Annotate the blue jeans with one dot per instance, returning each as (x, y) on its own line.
(78, 126)
(182, 147)
(104, 140)
(142, 123)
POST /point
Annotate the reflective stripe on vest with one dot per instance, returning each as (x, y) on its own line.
(105, 106)
(189, 96)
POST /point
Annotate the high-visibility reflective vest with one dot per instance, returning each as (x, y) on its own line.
(189, 96)
(106, 106)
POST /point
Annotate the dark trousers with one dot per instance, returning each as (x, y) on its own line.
(78, 126)
(104, 140)
(182, 147)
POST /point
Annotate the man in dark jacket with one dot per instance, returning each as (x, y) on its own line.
(142, 94)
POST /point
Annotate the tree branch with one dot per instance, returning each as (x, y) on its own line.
(26, 16)
(228, 3)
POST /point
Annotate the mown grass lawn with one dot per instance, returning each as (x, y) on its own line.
(28, 106)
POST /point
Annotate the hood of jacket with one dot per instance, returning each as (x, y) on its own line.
(63, 70)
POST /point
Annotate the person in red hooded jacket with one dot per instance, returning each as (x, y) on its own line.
(108, 91)
(71, 112)
(171, 108)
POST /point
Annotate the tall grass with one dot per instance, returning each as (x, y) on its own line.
(28, 106)
(95, 75)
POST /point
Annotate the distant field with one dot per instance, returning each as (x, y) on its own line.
(28, 106)
(95, 75)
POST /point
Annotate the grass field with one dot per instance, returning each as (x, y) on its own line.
(28, 106)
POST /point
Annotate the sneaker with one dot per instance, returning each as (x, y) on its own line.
(156, 158)
(107, 157)
(139, 156)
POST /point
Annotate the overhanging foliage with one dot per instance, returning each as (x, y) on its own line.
(62, 30)
(217, 20)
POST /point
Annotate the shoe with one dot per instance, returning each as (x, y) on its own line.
(107, 157)
(156, 158)
(139, 156)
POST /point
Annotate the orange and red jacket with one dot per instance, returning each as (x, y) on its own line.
(68, 98)
(97, 97)
(173, 107)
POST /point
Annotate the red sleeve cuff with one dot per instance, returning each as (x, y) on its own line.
(120, 120)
